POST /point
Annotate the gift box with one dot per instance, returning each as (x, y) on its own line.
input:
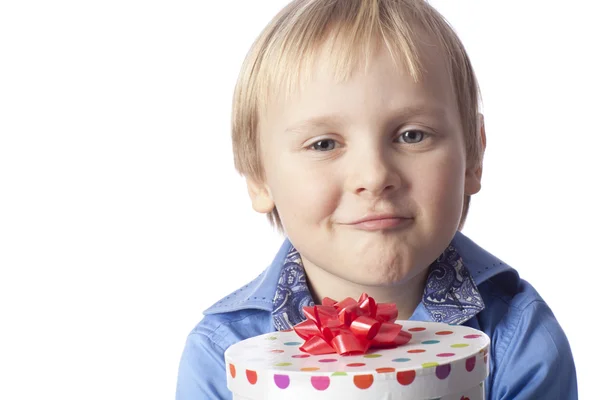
(440, 361)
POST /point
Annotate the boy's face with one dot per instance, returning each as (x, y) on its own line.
(368, 175)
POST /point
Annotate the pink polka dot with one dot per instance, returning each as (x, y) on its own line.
(320, 382)
(300, 356)
(328, 360)
(445, 354)
(472, 336)
(470, 363)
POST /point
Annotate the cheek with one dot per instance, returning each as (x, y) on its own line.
(302, 194)
(439, 188)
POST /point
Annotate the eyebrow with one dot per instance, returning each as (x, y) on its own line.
(335, 120)
(321, 122)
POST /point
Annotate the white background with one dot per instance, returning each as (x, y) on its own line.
(122, 218)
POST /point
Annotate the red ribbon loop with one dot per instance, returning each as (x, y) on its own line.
(350, 327)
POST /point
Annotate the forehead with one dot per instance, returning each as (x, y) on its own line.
(330, 81)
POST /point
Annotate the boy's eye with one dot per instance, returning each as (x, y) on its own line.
(324, 145)
(413, 136)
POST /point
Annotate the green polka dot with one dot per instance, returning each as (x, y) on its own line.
(372, 355)
(271, 338)
(401, 359)
(341, 373)
(429, 364)
(283, 364)
(430, 342)
(459, 345)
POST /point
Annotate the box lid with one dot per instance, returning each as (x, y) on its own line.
(439, 360)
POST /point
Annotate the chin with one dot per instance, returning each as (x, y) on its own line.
(382, 275)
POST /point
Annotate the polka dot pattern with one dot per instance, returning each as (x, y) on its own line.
(363, 381)
(300, 356)
(283, 364)
(356, 365)
(406, 377)
(320, 382)
(470, 363)
(252, 376)
(443, 371)
(437, 353)
(281, 381)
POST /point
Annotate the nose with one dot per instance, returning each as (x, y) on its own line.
(373, 173)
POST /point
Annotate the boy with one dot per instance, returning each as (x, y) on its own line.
(356, 126)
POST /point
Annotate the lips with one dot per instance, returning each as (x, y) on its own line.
(378, 222)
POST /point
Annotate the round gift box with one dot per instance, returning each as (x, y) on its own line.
(447, 362)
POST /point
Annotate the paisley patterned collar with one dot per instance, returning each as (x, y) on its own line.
(450, 294)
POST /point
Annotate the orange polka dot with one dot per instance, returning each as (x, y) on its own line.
(417, 329)
(416, 351)
(363, 381)
(355, 365)
(309, 369)
(287, 330)
(443, 333)
(232, 370)
(252, 377)
(385, 370)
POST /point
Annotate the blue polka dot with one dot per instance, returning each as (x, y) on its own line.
(430, 342)
(292, 343)
(401, 359)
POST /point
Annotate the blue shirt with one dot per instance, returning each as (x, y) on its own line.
(530, 354)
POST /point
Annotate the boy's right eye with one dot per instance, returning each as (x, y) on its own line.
(324, 145)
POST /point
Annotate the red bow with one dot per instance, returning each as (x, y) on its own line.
(350, 327)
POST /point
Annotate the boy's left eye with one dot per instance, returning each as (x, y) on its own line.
(412, 136)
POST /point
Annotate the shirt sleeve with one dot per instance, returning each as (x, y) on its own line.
(202, 371)
(535, 361)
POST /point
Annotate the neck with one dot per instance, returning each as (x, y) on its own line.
(406, 295)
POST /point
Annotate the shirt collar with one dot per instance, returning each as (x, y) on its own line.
(259, 294)
(450, 294)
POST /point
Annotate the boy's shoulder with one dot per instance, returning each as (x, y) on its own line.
(246, 312)
(505, 294)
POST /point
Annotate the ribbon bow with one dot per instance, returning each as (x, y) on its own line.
(350, 327)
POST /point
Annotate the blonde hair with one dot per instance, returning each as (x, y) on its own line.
(286, 50)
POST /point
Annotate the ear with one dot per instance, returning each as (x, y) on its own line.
(474, 172)
(260, 194)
